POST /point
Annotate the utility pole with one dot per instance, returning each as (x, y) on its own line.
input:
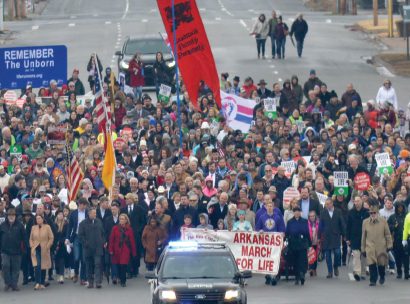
(390, 18)
(375, 13)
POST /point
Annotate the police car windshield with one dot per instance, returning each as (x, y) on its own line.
(148, 46)
(185, 266)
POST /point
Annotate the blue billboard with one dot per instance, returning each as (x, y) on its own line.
(35, 66)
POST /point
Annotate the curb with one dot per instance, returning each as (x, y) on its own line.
(7, 35)
(383, 67)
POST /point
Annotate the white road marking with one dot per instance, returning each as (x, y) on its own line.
(243, 23)
(153, 10)
(291, 19)
(144, 20)
(35, 27)
(95, 15)
(328, 20)
(275, 72)
(71, 24)
(113, 56)
(272, 66)
(251, 10)
(280, 79)
(218, 18)
(384, 72)
(73, 17)
(202, 9)
(107, 22)
(223, 8)
(127, 7)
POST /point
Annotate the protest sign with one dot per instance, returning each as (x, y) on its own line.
(255, 251)
(269, 106)
(17, 151)
(56, 135)
(290, 166)
(340, 182)
(289, 194)
(383, 163)
(322, 198)
(362, 181)
(164, 93)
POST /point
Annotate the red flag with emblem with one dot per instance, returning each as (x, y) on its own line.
(195, 59)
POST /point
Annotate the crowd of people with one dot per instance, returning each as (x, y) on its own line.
(219, 179)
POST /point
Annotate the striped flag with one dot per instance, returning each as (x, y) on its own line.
(164, 37)
(100, 106)
(75, 175)
(220, 149)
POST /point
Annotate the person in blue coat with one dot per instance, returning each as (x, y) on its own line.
(298, 238)
(271, 221)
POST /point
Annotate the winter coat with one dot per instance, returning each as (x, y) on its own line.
(44, 238)
(297, 234)
(122, 245)
(92, 237)
(331, 229)
(12, 238)
(60, 249)
(376, 240)
(396, 224)
(261, 29)
(136, 80)
(355, 220)
(299, 28)
(150, 238)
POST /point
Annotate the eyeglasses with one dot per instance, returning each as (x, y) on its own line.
(372, 212)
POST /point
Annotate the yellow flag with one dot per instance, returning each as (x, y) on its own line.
(108, 172)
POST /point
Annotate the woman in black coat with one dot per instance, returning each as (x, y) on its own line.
(162, 72)
(298, 237)
(60, 252)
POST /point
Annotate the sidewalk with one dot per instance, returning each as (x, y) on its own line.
(393, 57)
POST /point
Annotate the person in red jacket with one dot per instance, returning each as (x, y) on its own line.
(122, 247)
(371, 114)
(137, 80)
(119, 112)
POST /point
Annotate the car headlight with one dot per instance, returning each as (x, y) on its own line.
(231, 294)
(171, 64)
(167, 295)
(124, 65)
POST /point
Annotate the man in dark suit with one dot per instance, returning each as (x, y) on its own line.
(308, 204)
(138, 112)
(263, 92)
(103, 209)
(76, 217)
(138, 219)
(331, 229)
(109, 223)
(178, 218)
(219, 210)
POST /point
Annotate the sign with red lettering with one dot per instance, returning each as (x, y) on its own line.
(288, 195)
(362, 181)
(255, 251)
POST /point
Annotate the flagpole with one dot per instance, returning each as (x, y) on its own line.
(177, 77)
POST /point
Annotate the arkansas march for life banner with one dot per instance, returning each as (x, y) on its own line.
(255, 251)
(195, 59)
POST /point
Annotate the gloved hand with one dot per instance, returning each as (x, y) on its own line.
(404, 242)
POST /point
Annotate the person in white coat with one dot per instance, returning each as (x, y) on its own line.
(261, 31)
(387, 93)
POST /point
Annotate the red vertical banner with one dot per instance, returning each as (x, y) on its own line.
(195, 59)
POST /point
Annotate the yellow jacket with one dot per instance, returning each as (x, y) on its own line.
(406, 228)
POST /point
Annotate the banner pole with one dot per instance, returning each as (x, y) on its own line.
(177, 77)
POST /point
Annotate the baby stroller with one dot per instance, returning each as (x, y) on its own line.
(286, 269)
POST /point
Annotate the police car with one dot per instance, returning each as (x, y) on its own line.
(190, 272)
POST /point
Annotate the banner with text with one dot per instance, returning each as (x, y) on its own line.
(383, 163)
(194, 54)
(341, 183)
(35, 66)
(255, 251)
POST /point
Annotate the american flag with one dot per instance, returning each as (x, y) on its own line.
(220, 149)
(99, 101)
(165, 38)
(74, 173)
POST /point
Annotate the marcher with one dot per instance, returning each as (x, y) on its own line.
(12, 238)
(261, 31)
(300, 29)
(281, 31)
(297, 235)
(92, 237)
(60, 251)
(137, 80)
(153, 240)
(376, 243)
(122, 247)
(332, 229)
(354, 226)
(41, 240)
(272, 25)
